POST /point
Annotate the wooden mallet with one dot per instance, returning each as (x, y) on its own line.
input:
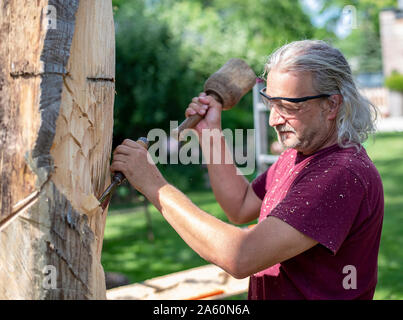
(228, 85)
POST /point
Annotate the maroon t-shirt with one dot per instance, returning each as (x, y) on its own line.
(334, 196)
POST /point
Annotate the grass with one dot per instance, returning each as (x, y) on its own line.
(386, 151)
(127, 249)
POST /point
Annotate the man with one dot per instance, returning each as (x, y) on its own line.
(320, 206)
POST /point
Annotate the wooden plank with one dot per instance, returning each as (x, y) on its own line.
(206, 282)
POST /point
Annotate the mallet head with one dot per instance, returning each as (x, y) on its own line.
(228, 85)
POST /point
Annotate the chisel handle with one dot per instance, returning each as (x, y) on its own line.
(118, 177)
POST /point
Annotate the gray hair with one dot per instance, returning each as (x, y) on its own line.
(331, 75)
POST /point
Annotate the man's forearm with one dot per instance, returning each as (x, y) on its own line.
(229, 186)
(211, 238)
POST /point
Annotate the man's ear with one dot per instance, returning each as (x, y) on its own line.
(334, 101)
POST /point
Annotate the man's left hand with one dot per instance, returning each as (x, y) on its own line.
(133, 161)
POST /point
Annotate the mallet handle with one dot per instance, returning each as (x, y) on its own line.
(191, 121)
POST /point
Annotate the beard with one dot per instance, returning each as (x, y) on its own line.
(288, 137)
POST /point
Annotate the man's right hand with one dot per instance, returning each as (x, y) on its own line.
(207, 107)
(233, 192)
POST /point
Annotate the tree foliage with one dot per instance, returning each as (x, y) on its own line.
(362, 45)
(166, 49)
(367, 9)
(153, 81)
(395, 81)
(249, 29)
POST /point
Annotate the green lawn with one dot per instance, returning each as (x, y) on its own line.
(127, 249)
(386, 151)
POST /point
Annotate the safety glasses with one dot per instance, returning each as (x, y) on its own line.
(271, 102)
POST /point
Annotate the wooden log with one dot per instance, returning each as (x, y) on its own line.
(57, 91)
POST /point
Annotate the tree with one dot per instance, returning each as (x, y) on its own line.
(362, 45)
(57, 91)
(165, 50)
(366, 9)
(154, 83)
(186, 41)
(218, 29)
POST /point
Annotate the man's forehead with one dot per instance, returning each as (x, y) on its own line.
(281, 83)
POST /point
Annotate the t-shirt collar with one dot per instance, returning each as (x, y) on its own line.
(301, 157)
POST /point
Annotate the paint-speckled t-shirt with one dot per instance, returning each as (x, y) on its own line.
(334, 196)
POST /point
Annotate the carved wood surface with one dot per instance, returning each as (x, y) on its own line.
(56, 118)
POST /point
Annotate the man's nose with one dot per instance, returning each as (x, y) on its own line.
(275, 118)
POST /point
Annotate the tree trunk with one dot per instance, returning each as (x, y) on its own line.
(57, 71)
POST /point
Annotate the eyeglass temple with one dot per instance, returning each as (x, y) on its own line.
(302, 99)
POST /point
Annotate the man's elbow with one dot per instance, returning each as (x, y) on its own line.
(244, 270)
(237, 218)
(237, 264)
(235, 271)
(240, 274)
(239, 270)
(242, 263)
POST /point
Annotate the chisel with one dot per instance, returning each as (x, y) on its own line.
(117, 179)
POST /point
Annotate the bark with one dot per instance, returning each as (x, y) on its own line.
(56, 118)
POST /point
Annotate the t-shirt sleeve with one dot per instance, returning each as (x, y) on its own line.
(259, 185)
(323, 205)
